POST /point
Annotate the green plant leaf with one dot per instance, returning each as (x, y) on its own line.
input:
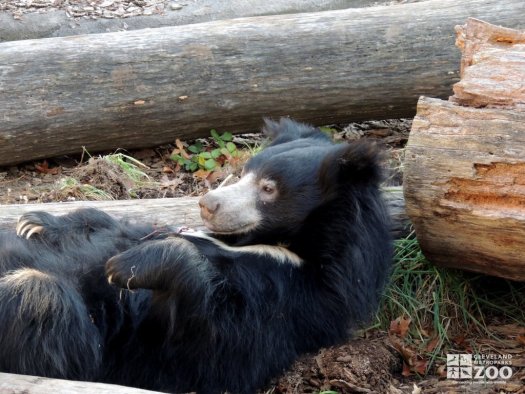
(217, 138)
(195, 148)
(210, 164)
(193, 167)
(215, 153)
(176, 157)
(205, 155)
(231, 147)
(226, 136)
(226, 152)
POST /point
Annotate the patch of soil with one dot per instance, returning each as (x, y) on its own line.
(372, 365)
(359, 366)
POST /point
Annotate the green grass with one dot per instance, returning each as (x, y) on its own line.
(129, 165)
(83, 191)
(445, 303)
(255, 148)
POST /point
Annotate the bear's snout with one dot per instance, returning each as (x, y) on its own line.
(231, 209)
(209, 206)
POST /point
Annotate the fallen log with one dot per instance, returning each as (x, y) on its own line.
(25, 384)
(464, 179)
(58, 24)
(173, 211)
(147, 87)
(464, 186)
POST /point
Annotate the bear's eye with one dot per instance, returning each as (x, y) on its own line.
(268, 189)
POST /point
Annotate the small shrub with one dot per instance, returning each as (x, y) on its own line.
(207, 158)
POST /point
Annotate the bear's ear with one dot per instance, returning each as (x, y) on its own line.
(288, 130)
(356, 162)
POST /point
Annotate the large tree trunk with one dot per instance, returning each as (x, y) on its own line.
(465, 167)
(174, 211)
(148, 87)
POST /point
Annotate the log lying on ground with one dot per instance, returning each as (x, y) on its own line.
(465, 186)
(58, 24)
(147, 87)
(173, 211)
(14, 384)
(465, 167)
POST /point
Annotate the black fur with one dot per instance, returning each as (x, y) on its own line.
(187, 313)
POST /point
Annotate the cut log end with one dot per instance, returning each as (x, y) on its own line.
(464, 187)
(464, 180)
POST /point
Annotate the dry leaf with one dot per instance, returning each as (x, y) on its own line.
(201, 174)
(416, 390)
(432, 344)
(406, 353)
(183, 153)
(406, 370)
(421, 367)
(167, 170)
(216, 175)
(400, 326)
(521, 339)
(44, 168)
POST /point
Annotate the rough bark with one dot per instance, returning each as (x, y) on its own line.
(25, 384)
(492, 65)
(147, 87)
(173, 211)
(464, 186)
(465, 166)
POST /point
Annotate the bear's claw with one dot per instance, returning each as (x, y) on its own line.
(29, 224)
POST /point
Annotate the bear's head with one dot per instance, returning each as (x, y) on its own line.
(300, 171)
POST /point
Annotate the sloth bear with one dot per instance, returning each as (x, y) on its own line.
(297, 256)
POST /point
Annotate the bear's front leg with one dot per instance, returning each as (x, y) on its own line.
(55, 228)
(173, 264)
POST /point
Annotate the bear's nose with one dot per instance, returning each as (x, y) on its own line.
(209, 206)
